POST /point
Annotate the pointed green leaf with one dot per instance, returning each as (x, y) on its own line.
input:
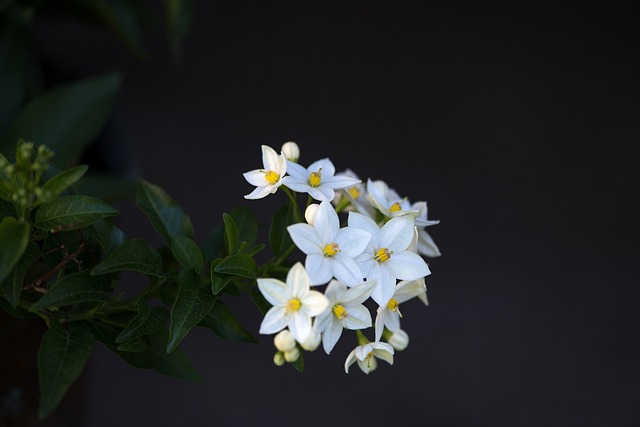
(133, 255)
(74, 289)
(187, 252)
(14, 237)
(231, 233)
(225, 325)
(66, 118)
(62, 181)
(278, 235)
(62, 356)
(72, 212)
(138, 345)
(147, 321)
(238, 265)
(163, 212)
(192, 304)
(13, 288)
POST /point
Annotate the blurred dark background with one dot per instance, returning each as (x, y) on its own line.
(517, 123)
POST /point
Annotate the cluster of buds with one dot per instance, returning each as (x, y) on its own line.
(363, 242)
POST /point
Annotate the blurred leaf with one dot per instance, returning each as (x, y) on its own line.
(74, 289)
(62, 356)
(13, 288)
(214, 244)
(278, 235)
(106, 186)
(179, 15)
(225, 325)
(107, 234)
(14, 237)
(247, 225)
(238, 265)
(147, 321)
(231, 233)
(192, 304)
(156, 357)
(163, 212)
(132, 255)
(63, 180)
(187, 253)
(138, 345)
(299, 363)
(65, 119)
(72, 212)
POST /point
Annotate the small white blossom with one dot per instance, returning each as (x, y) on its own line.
(268, 179)
(319, 179)
(387, 200)
(365, 355)
(388, 315)
(294, 303)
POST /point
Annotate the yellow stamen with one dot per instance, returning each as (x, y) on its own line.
(271, 176)
(395, 207)
(354, 192)
(331, 249)
(293, 305)
(340, 312)
(383, 255)
(394, 305)
(314, 179)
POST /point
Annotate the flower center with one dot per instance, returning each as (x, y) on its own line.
(382, 255)
(395, 207)
(340, 312)
(314, 178)
(293, 305)
(331, 249)
(354, 192)
(392, 304)
(271, 176)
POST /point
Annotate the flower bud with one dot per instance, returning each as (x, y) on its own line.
(399, 340)
(291, 151)
(292, 355)
(284, 340)
(278, 358)
(310, 213)
(312, 343)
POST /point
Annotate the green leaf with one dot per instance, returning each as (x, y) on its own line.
(163, 212)
(62, 356)
(238, 265)
(133, 255)
(247, 225)
(62, 181)
(225, 325)
(74, 289)
(14, 237)
(107, 235)
(72, 212)
(260, 301)
(156, 357)
(187, 252)
(213, 246)
(66, 118)
(13, 288)
(192, 304)
(278, 235)
(178, 14)
(121, 18)
(218, 280)
(231, 233)
(147, 321)
(138, 345)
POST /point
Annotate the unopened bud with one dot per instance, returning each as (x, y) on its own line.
(399, 340)
(278, 358)
(291, 151)
(310, 213)
(292, 355)
(312, 343)
(284, 340)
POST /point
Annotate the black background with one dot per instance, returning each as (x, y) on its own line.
(517, 123)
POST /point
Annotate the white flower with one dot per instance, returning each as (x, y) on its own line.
(330, 249)
(294, 304)
(291, 151)
(366, 356)
(387, 200)
(426, 245)
(319, 179)
(388, 255)
(346, 311)
(267, 180)
(388, 315)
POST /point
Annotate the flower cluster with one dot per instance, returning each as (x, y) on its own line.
(362, 241)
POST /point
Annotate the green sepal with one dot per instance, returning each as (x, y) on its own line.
(62, 356)
(133, 255)
(225, 325)
(192, 304)
(72, 212)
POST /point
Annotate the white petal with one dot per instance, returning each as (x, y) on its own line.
(379, 325)
(314, 303)
(384, 288)
(326, 222)
(358, 317)
(352, 241)
(323, 321)
(260, 192)
(426, 245)
(358, 293)
(298, 172)
(321, 193)
(274, 320)
(331, 336)
(397, 233)
(270, 159)
(384, 353)
(319, 269)
(298, 280)
(351, 359)
(275, 291)
(363, 351)
(306, 238)
(325, 164)
(339, 181)
(407, 266)
(358, 220)
(300, 325)
(391, 320)
(256, 177)
(408, 289)
(345, 270)
(335, 291)
(295, 184)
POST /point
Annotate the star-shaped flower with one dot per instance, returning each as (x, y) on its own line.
(268, 179)
(389, 315)
(346, 311)
(366, 355)
(387, 201)
(319, 179)
(294, 304)
(388, 255)
(330, 249)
